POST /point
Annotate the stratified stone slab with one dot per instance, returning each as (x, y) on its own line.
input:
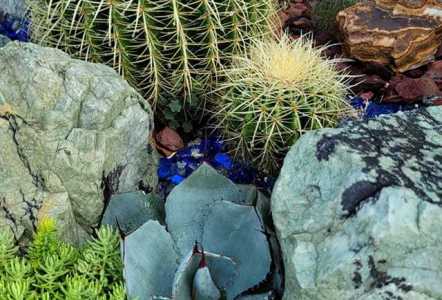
(390, 34)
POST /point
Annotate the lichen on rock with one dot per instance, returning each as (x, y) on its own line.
(358, 210)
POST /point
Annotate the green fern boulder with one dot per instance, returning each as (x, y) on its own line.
(167, 49)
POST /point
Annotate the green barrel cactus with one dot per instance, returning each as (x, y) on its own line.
(282, 89)
(167, 49)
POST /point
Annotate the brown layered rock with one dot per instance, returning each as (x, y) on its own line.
(428, 8)
(392, 32)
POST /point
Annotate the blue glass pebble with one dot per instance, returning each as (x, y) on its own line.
(373, 109)
(14, 28)
(224, 160)
(177, 179)
(210, 150)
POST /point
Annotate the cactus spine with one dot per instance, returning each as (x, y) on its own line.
(282, 89)
(164, 48)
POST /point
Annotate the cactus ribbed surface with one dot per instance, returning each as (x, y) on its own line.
(164, 48)
(270, 98)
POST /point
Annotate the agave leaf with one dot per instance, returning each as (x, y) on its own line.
(150, 262)
(255, 297)
(203, 286)
(200, 209)
(182, 285)
(262, 205)
(131, 210)
(249, 195)
(184, 277)
(236, 231)
(189, 203)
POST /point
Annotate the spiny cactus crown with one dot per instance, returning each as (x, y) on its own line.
(282, 89)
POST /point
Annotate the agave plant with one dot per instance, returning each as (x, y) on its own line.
(167, 49)
(279, 91)
(212, 247)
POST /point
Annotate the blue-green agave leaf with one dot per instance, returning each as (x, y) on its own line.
(185, 274)
(236, 231)
(131, 210)
(150, 262)
(203, 208)
(188, 204)
(203, 286)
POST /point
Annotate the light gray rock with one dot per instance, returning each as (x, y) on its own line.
(72, 134)
(16, 8)
(3, 40)
(358, 210)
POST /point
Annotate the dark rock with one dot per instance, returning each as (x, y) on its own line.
(413, 90)
(439, 52)
(372, 83)
(416, 73)
(435, 72)
(378, 69)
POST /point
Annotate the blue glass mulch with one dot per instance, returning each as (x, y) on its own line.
(373, 109)
(16, 29)
(211, 150)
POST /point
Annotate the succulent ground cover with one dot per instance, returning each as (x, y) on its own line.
(51, 269)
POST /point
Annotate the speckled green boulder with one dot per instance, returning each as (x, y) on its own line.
(72, 134)
(358, 210)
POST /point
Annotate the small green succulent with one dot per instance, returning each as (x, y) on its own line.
(52, 269)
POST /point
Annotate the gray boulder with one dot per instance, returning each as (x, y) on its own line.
(16, 8)
(72, 134)
(3, 40)
(358, 210)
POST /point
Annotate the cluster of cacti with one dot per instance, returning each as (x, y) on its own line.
(325, 11)
(52, 269)
(270, 98)
(167, 49)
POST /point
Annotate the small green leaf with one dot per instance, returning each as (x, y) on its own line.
(187, 127)
(175, 106)
(169, 115)
(174, 124)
